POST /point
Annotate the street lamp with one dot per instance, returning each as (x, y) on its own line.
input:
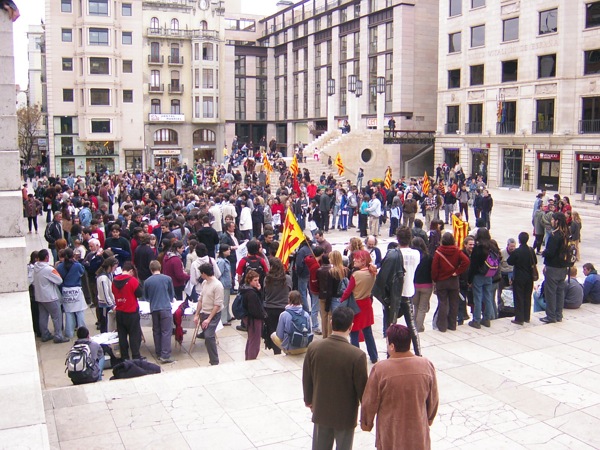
(352, 83)
(380, 101)
(330, 111)
(380, 85)
(331, 87)
(358, 88)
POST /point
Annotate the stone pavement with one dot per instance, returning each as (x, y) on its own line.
(534, 387)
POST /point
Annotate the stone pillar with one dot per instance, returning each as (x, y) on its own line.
(23, 422)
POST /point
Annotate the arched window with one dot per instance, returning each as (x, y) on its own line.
(165, 136)
(204, 136)
(204, 25)
(174, 24)
(154, 25)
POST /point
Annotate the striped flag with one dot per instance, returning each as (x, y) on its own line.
(266, 164)
(426, 184)
(460, 229)
(215, 177)
(268, 179)
(291, 238)
(339, 164)
(294, 167)
(442, 188)
(387, 182)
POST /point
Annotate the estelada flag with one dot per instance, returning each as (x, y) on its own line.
(426, 184)
(460, 229)
(291, 238)
(294, 167)
(387, 183)
(339, 164)
(266, 164)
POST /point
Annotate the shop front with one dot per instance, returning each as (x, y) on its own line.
(548, 170)
(512, 167)
(479, 162)
(167, 159)
(451, 156)
(588, 165)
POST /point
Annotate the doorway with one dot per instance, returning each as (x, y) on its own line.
(512, 167)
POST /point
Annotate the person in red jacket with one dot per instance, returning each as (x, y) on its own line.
(448, 263)
(127, 289)
(173, 267)
(313, 262)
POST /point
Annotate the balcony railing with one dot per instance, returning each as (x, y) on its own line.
(175, 88)
(473, 127)
(156, 88)
(505, 128)
(156, 59)
(176, 60)
(542, 127)
(451, 128)
(184, 34)
(589, 126)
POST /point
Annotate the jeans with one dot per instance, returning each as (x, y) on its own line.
(343, 224)
(73, 320)
(225, 311)
(336, 210)
(393, 226)
(554, 291)
(369, 340)
(210, 339)
(101, 362)
(128, 326)
(303, 289)
(421, 301)
(162, 330)
(314, 310)
(448, 209)
(483, 294)
(350, 216)
(539, 302)
(32, 221)
(50, 310)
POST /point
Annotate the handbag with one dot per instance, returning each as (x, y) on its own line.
(351, 303)
(535, 275)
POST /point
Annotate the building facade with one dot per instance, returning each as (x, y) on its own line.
(518, 95)
(36, 90)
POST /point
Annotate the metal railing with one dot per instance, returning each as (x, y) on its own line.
(505, 128)
(589, 126)
(176, 60)
(156, 59)
(473, 127)
(451, 128)
(156, 88)
(185, 34)
(542, 127)
(175, 88)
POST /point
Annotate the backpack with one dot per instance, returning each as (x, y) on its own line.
(253, 262)
(492, 264)
(571, 254)
(301, 334)
(80, 364)
(237, 308)
(48, 233)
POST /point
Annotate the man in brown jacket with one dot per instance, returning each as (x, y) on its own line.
(333, 379)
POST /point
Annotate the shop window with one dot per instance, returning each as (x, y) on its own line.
(165, 136)
(101, 126)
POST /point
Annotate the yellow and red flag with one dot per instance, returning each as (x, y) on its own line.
(294, 167)
(442, 188)
(291, 237)
(387, 182)
(266, 164)
(215, 176)
(426, 184)
(339, 164)
(460, 230)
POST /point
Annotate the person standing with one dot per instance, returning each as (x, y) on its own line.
(252, 301)
(46, 281)
(73, 301)
(374, 212)
(225, 279)
(402, 392)
(208, 313)
(127, 289)
(33, 207)
(53, 233)
(480, 278)
(522, 260)
(334, 376)
(409, 209)
(173, 267)
(555, 270)
(487, 203)
(159, 291)
(277, 287)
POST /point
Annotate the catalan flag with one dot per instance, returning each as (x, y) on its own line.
(426, 184)
(442, 188)
(339, 164)
(294, 167)
(268, 179)
(460, 229)
(291, 238)
(387, 182)
(215, 177)
(266, 164)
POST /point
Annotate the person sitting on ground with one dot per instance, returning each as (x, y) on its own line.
(574, 290)
(591, 286)
(96, 359)
(285, 327)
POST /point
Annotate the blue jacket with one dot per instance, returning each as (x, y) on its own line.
(285, 327)
(71, 278)
(225, 267)
(591, 288)
(158, 290)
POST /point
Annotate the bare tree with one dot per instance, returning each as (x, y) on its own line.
(28, 119)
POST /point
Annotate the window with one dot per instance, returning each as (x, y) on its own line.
(389, 36)
(592, 14)
(510, 29)
(477, 3)
(207, 52)
(67, 35)
(239, 65)
(590, 115)
(67, 64)
(165, 136)
(548, 21)
(207, 79)
(98, 36)
(372, 40)
(454, 42)
(175, 107)
(154, 25)
(127, 96)
(475, 124)
(126, 9)
(100, 126)
(591, 63)
(208, 107)
(478, 36)
(127, 38)
(155, 106)
(127, 66)
(453, 116)
(99, 66)
(544, 122)
(174, 24)
(204, 136)
(509, 70)
(100, 97)
(67, 95)
(65, 6)
(455, 7)
(546, 66)
(197, 78)
(155, 78)
(98, 7)
(507, 118)
(477, 73)
(454, 79)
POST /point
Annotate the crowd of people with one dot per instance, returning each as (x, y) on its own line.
(208, 234)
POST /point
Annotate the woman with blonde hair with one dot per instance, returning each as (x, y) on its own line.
(575, 230)
(354, 245)
(360, 284)
(331, 278)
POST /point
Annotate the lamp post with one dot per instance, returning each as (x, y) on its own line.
(380, 102)
(330, 111)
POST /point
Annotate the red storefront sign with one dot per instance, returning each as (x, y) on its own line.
(549, 156)
(588, 157)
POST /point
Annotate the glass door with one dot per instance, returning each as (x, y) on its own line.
(512, 167)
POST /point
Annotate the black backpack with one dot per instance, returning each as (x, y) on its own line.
(254, 262)
(237, 307)
(301, 334)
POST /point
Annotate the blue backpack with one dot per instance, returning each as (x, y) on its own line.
(238, 309)
(301, 334)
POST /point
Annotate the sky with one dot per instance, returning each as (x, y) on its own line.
(32, 12)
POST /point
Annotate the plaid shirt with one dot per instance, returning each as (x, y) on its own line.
(430, 203)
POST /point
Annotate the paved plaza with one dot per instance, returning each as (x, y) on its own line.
(512, 387)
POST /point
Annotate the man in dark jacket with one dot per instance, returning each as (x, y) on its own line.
(325, 203)
(142, 258)
(53, 233)
(556, 269)
(208, 236)
(487, 203)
